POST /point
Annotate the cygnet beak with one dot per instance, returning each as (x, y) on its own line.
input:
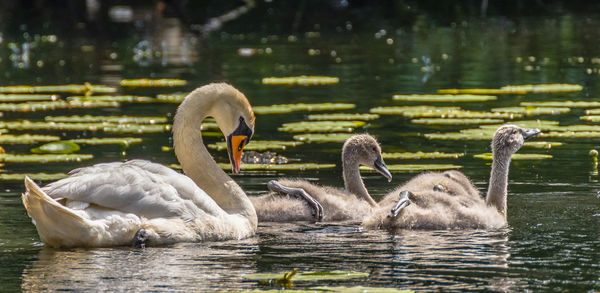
(530, 132)
(382, 169)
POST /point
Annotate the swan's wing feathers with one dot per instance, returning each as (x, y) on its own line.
(127, 187)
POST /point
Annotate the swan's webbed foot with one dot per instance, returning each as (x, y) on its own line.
(401, 204)
(140, 238)
(317, 208)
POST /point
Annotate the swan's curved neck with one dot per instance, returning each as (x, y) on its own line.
(196, 161)
(352, 180)
(498, 187)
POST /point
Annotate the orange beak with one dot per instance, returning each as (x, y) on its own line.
(236, 146)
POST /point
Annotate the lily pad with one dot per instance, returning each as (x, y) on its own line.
(591, 118)
(109, 119)
(106, 127)
(69, 88)
(456, 121)
(518, 89)
(301, 80)
(125, 141)
(520, 156)
(531, 111)
(321, 126)
(394, 110)
(309, 276)
(592, 111)
(466, 134)
(34, 176)
(171, 98)
(444, 98)
(259, 145)
(541, 124)
(542, 144)
(120, 99)
(145, 82)
(11, 98)
(422, 155)
(54, 105)
(569, 104)
(565, 134)
(44, 158)
(287, 108)
(476, 91)
(441, 112)
(334, 289)
(280, 167)
(322, 137)
(415, 167)
(26, 138)
(56, 147)
(342, 116)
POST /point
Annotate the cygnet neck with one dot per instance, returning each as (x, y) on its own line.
(353, 182)
(498, 186)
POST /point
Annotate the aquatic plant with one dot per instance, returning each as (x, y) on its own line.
(301, 80)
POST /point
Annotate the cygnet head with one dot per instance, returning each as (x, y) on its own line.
(510, 138)
(367, 152)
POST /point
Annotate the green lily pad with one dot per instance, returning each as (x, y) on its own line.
(569, 104)
(542, 144)
(44, 158)
(444, 98)
(415, 167)
(342, 116)
(145, 82)
(531, 111)
(34, 176)
(56, 147)
(441, 112)
(334, 289)
(109, 119)
(259, 145)
(592, 111)
(518, 89)
(280, 167)
(11, 98)
(70, 88)
(106, 127)
(541, 124)
(26, 138)
(322, 137)
(120, 99)
(287, 108)
(466, 134)
(309, 276)
(125, 141)
(566, 134)
(591, 118)
(55, 105)
(400, 110)
(475, 91)
(488, 156)
(171, 98)
(321, 126)
(301, 80)
(455, 121)
(422, 155)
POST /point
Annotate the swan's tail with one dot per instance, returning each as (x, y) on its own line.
(56, 224)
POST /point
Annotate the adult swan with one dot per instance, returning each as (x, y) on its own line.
(138, 201)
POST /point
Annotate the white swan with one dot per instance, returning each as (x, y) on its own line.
(449, 200)
(314, 202)
(113, 204)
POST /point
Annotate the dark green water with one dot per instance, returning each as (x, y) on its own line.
(552, 242)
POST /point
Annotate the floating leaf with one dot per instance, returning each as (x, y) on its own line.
(520, 156)
(592, 111)
(541, 124)
(415, 167)
(26, 138)
(321, 126)
(476, 91)
(531, 111)
(322, 137)
(301, 80)
(441, 112)
(109, 119)
(25, 97)
(46, 106)
(466, 134)
(106, 127)
(145, 82)
(120, 99)
(34, 176)
(455, 121)
(280, 167)
(125, 141)
(310, 276)
(565, 134)
(70, 88)
(334, 289)
(259, 145)
(56, 147)
(570, 104)
(444, 98)
(44, 158)
(287, 108)
(591, 118)
(518, 89)
(171, 98)
(422, 155)
(393, 110)
(542, 144)
(342, 116)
